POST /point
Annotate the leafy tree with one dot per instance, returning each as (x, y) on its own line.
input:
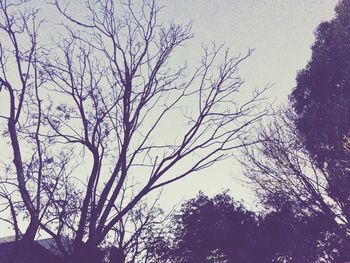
(210, 229)
(292, 235)
(321, 101)
(219, 229)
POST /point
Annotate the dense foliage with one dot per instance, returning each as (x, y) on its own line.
(321, 101)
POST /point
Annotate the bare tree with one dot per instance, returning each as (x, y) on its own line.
(106, 116)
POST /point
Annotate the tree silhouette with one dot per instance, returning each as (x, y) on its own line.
(219, 229)
(211, 229)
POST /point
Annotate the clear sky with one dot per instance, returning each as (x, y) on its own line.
(280, 31)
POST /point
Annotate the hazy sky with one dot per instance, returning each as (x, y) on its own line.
(280, 31)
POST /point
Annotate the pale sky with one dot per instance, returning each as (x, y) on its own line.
(280, 31)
